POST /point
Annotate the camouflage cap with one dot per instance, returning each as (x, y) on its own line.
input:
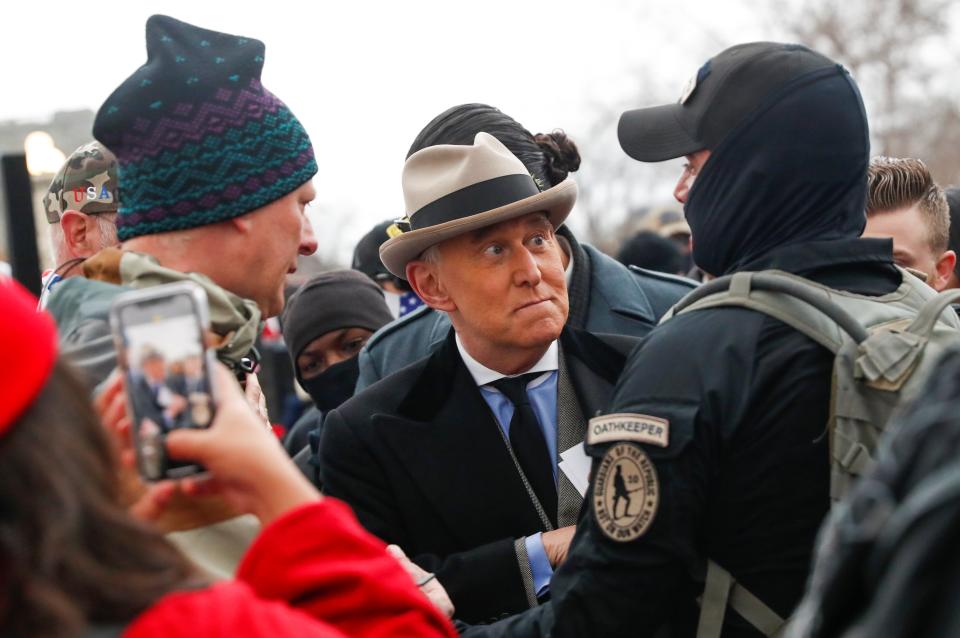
(87, 182)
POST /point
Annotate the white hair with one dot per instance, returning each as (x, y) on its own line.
(106, 229)
(58, 244)
(431, 255)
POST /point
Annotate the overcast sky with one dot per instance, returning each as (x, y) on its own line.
(365, 77)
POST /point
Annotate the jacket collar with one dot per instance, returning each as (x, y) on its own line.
(609, 275)
(434, 385)
(806, 257)
(593, 273)
(578, 284)
(483, 375)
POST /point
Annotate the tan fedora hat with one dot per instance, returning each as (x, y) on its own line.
(451, 189)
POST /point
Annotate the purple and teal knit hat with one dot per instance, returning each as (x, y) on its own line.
(198, 139)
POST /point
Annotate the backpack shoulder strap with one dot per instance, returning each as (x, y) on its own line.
(930, 313)
(721, 590)
(796, 302)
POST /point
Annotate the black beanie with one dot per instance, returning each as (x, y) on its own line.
(332, 301)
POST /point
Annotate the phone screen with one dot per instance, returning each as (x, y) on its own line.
(167, 377)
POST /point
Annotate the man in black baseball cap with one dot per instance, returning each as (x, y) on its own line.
(714, 450)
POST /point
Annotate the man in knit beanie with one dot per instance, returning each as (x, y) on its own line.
(215, 174)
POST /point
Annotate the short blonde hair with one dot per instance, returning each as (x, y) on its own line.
(895, 183)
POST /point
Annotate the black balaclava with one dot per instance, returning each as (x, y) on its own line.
(793, 171)
(334, 385)
(332, 301)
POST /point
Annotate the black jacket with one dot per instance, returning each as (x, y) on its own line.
(422, 461)
(745, 478)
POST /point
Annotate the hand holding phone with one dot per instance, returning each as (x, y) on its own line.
(246, 462)
(177, 431)
(247, 466)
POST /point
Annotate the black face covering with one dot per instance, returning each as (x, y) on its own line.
(794, 171)
(334, 385)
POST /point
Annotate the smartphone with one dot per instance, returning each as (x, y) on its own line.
(158, 334)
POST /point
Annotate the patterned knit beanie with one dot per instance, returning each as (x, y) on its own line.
(198, 139)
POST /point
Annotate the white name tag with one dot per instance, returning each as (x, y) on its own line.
(575, 464)
(641, 428)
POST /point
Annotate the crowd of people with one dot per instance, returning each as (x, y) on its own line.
(743, 425)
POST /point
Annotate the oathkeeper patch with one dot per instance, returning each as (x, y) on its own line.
(640, 428)
(626, 493)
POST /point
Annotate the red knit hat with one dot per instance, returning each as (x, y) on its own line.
(28, 341)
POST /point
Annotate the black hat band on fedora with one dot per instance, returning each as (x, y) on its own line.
(474, 199)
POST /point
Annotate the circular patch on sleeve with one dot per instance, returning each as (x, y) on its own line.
(626, 492)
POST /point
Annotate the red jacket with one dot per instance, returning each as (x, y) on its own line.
(314, 572)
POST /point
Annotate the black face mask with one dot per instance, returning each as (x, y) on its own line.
(793, 172)
(334, 385)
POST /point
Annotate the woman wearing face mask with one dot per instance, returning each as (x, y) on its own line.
(326, 322)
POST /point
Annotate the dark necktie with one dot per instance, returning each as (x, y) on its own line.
(526, 439)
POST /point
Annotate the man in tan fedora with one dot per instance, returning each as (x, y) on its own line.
(467, 458)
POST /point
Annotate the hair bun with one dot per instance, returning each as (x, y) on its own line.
(560, 153)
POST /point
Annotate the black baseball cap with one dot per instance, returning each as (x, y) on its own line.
(727, 88)
(366, 255)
